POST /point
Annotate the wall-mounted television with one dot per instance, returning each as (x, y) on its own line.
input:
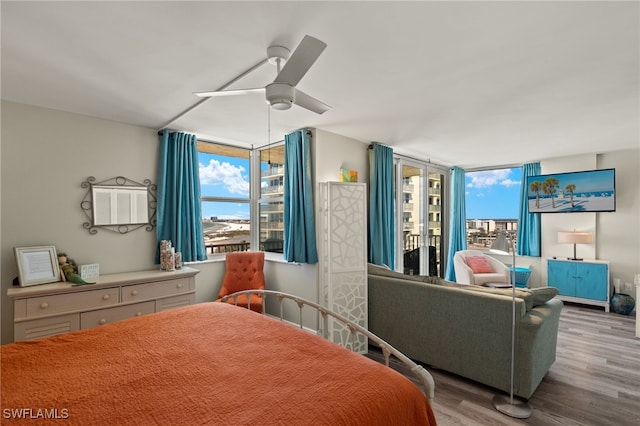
(573, 192)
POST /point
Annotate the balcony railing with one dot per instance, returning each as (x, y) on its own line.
(272, 189)
(273, 171)
(274, 246)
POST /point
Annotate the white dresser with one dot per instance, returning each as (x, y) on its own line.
(48, 309)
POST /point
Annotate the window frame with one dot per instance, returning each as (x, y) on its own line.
(227, 199)
(255, 199)
(513, 230)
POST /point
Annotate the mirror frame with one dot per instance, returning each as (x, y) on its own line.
(87, 204)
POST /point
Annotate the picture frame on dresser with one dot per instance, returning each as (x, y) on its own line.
(37, 265)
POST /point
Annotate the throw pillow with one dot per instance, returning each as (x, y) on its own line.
(478, 264)
(542, 295)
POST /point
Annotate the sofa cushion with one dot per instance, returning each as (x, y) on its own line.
(523, 294)
(478, 264)
(541, 295)
(383, 271)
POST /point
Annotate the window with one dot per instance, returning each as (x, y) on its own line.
(492, 202)
(225, 176)
(420, 218)
(225, 183)
(271, 202)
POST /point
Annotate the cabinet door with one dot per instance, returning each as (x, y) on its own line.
(591, 281)
(562, 276)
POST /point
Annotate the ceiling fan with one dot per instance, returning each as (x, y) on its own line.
(282, 92)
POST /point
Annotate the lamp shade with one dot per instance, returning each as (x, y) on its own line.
(575, 237)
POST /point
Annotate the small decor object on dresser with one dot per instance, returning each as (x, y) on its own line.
(37, 265)
(89, 271)
(167, 256)
(69, 270)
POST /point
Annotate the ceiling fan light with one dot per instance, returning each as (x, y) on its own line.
(280, 96)
(281, 104)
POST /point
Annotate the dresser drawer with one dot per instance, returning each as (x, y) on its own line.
(105, 316)
(175, 301)
(69, 302)
(43, 327)
(156, 289)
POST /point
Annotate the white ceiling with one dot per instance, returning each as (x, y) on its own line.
(472, 84)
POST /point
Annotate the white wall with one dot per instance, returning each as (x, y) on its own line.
(46, 155)
(616, 235)
(619, 232)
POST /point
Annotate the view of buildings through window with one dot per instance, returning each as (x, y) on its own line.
(422, 202)
(492, 203)
(225, 184)
(225, 176)
(271, 203)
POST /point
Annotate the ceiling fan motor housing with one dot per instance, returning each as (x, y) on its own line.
(280, 95)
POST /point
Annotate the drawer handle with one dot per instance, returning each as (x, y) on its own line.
(44, 305)
(106, 297)
(179, 285)
(134, 293)
(103, 321)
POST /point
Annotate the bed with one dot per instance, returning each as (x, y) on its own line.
(208, 363)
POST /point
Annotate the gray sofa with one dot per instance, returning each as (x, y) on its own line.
(466, 329)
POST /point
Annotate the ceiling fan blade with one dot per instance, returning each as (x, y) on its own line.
(300, 60)
(312, 104)
(217, 93)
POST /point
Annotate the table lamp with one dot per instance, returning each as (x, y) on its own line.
(575, 238)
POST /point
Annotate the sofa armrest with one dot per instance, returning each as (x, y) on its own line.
(537, 341)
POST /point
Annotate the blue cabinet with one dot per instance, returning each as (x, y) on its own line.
(580, 281)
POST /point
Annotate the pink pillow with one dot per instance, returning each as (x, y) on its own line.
(479, 264)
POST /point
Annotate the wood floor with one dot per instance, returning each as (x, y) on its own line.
(594, 381)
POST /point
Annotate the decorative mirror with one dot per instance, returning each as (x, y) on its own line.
(119, 205)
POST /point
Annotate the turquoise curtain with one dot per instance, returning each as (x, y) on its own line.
(299, 221)
(528, 223)
(457, 220)
(381, 212)
(179, 216)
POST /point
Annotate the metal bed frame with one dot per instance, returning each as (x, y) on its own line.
(423, 376)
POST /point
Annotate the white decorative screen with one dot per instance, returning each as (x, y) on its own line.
(344, 259)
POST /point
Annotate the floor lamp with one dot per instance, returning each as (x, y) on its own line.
(510, 406)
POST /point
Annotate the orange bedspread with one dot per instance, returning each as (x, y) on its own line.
(209, 363)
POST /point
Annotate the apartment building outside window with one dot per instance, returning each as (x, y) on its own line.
(420, 244)
(492, 203)
(271, 201)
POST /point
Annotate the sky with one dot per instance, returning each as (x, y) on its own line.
(224, 177)
(493, 194)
